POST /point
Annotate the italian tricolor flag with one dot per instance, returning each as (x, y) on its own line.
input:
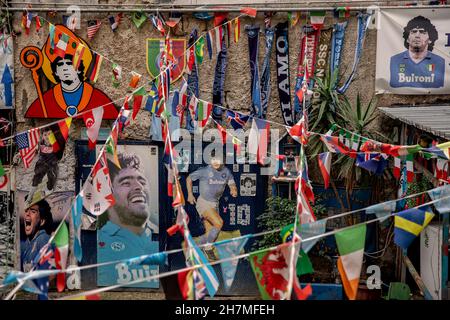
(350, 244)
(203, 112)
(61, 243)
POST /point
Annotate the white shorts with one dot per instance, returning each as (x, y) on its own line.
(203, 205)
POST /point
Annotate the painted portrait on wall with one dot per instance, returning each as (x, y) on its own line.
(67, 62)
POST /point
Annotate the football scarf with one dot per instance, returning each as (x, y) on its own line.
(307, 59)
(219, 81)
(323, 54)
(282, 47)
(337, 42)
(363, 24)
(253, 39)
(265, 76)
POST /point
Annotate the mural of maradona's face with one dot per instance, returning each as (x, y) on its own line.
(66, 72)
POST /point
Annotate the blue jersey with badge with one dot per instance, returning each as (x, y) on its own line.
(428, 73)
(117, 243)
(212, 182)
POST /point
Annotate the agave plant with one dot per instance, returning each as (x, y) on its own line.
(323, 113)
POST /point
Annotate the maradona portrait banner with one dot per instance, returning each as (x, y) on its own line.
(413, 51)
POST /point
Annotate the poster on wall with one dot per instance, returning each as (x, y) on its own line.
(223, 201)
(413, 51)
(6, 74)
(130, 227)
(67, 62)
(37, 224)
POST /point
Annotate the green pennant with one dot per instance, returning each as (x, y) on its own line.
(199, 53)
(138, 19)
(2, 170)
(304, 265)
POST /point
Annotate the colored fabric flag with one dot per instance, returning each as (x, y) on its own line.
(258, 140)
(237, 30)
(382, 210)
(441, 150)
(334, 145)
(59, 134)
(61, 46)
(199, 45)
(27, 143)
(174, 19)
(218, 38)
(71, 22)
(114, 21)
(135, 77)
(138, 19)
(342, 12)
(293, 17)
(251, 12)
(408, 224)
(95, 71)
(51, 35)
(195, 256)
(410, 168)
(299, 131)
(272, 275)
(309, 230)
(2, 170)
(61, 243)
(138, 97)
(77, 211)
(186, 284)
(77, 57)
(26, 21)
(443, 192)
(152, 101)
(97, 192)
(116, 75)
(350, 244)
(317, 18)
(372, 162)
(158, 24)
(203, 113)
(93, 27)
(38, 23)
(397, 167)
(209, 44)
(303, 264)
(93, 121)
(227, 249)
(325, 167)
(236, 120)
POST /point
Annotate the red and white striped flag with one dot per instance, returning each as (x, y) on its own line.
(93, 27)
(28, 142)
(325, 167)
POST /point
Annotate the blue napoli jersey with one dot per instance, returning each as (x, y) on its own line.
(428, 73)
(116, 243)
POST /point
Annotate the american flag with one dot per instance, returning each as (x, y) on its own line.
(27, 142)
(93, 26)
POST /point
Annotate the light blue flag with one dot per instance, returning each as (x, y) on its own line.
(442, 206)
(155, 128)
(227, 249)
(382, 210)
(207, 271)
(77, 211)
(309, 230)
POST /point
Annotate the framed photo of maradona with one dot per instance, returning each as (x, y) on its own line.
(130, 228)
(413, 51)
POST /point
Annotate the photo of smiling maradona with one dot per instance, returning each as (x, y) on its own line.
(131, 192)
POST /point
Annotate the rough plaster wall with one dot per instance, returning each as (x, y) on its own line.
(127, 47)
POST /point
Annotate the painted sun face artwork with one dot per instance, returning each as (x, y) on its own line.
(67, 62)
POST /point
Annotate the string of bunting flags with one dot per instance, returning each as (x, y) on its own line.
(199, 278)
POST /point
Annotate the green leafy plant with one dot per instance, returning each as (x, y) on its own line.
(279, 213)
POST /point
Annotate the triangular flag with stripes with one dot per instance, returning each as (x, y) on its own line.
(350, 243)
(61, 242)
(408, 224)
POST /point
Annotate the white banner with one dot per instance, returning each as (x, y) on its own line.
(413, 51)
